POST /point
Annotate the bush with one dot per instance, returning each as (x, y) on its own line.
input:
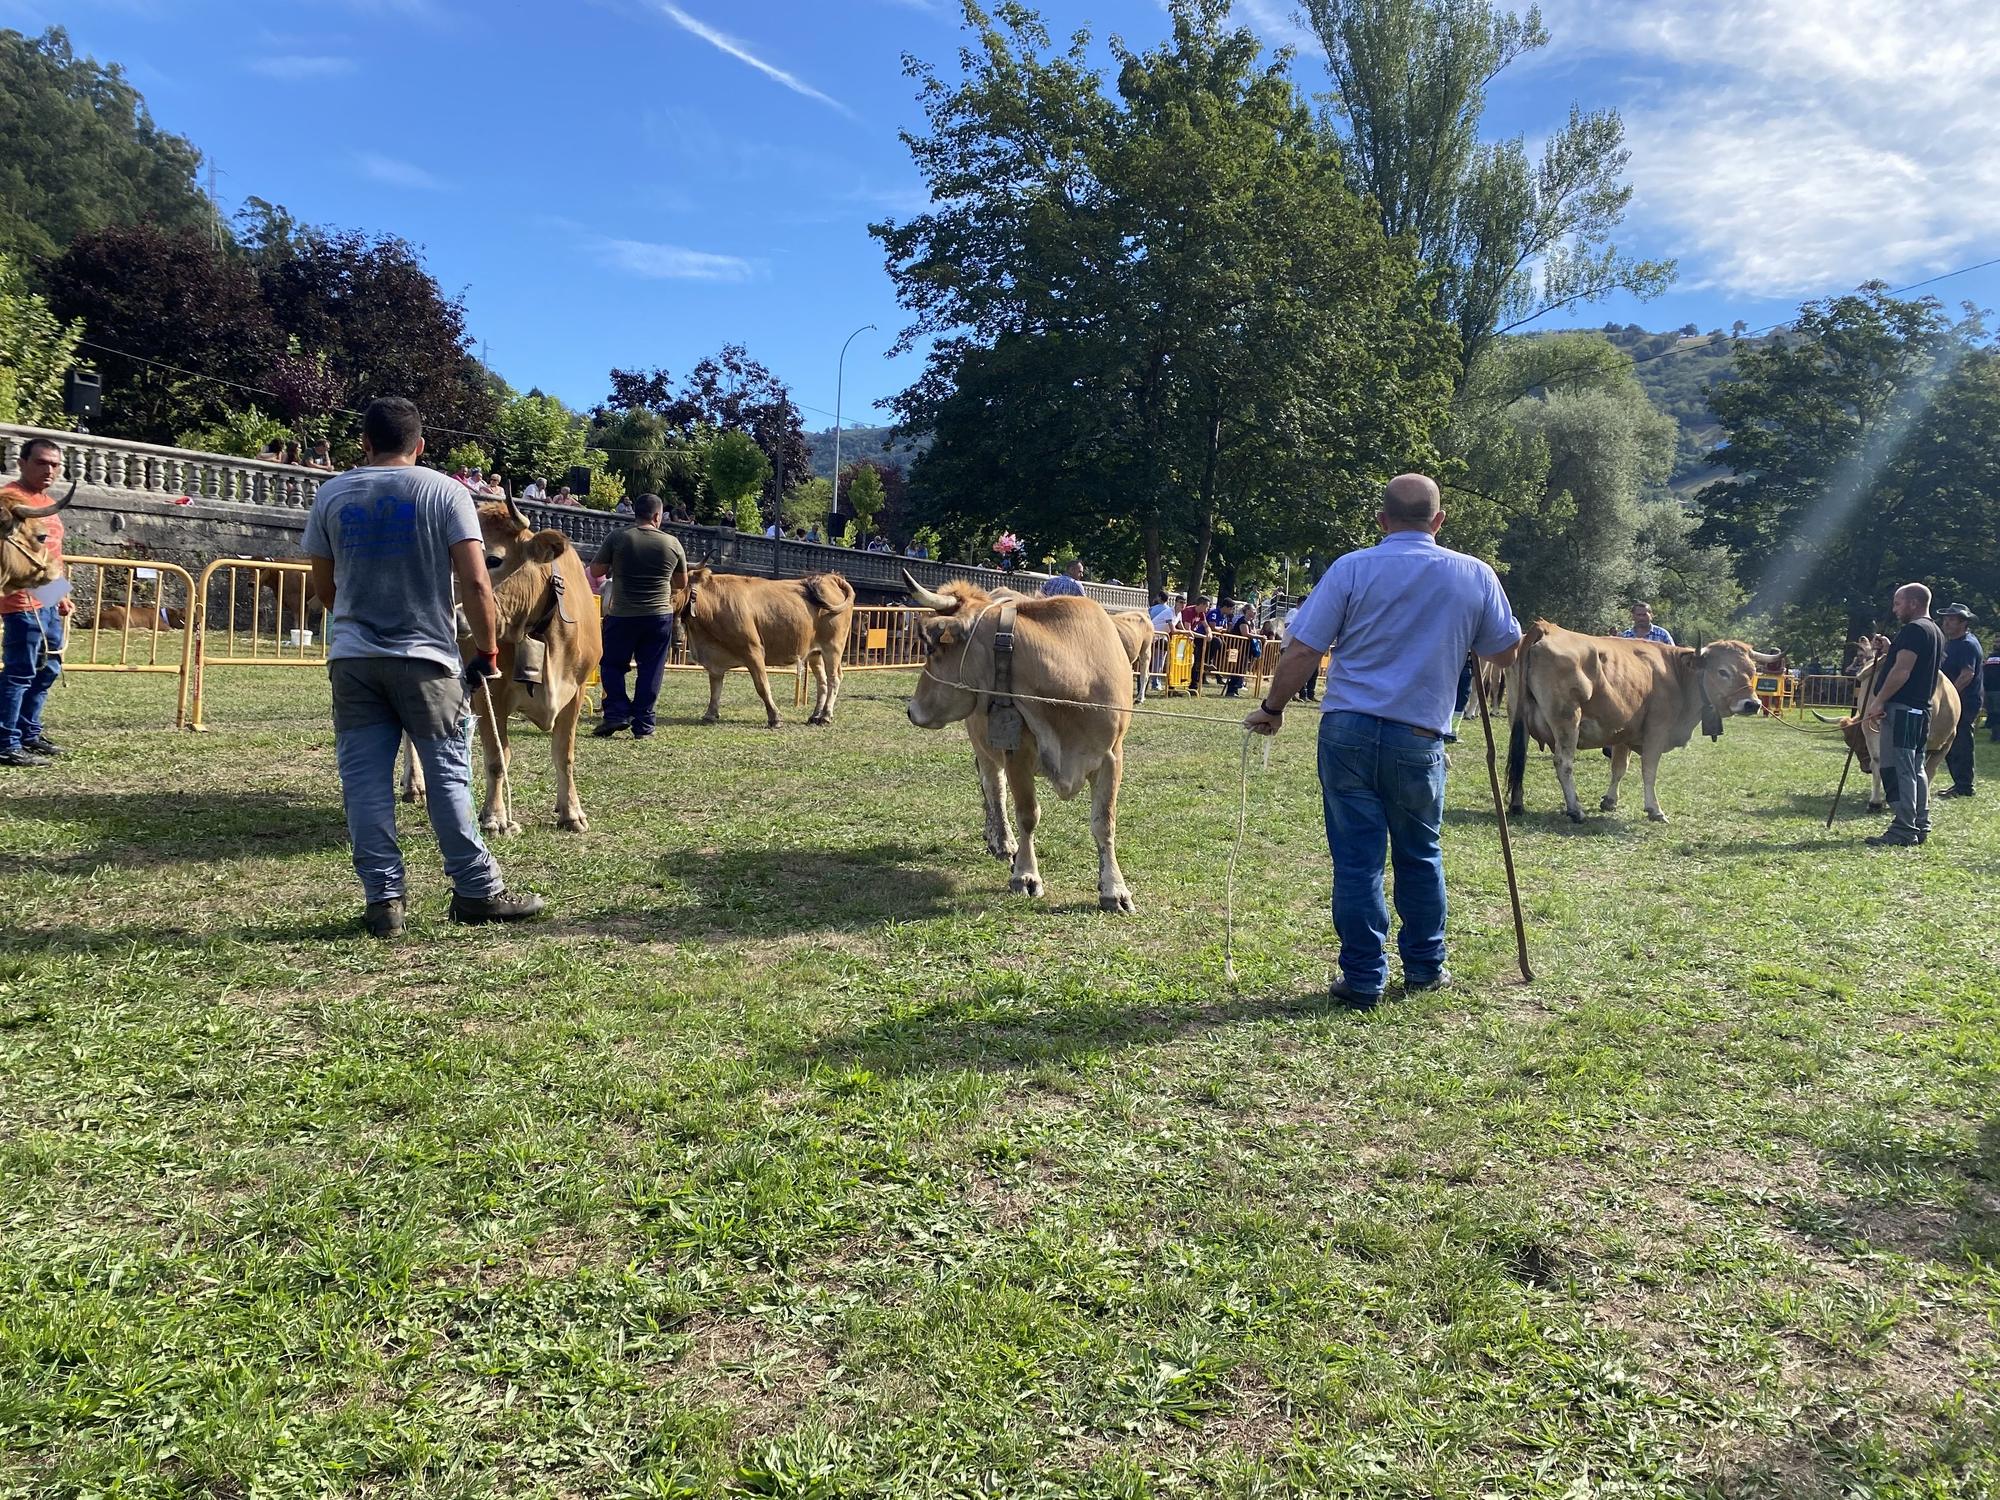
(241, 434)
(468, 456)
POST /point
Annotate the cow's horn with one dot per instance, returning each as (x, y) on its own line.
(1824, 719)
(36, 512)
(514, 514)
(924, 596)
(1768, 660)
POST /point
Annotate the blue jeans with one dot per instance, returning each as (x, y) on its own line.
(27, 672)
(630, 638)
(376, 700)
(1383, 785)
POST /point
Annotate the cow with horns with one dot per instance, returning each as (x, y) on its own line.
(1044, 688)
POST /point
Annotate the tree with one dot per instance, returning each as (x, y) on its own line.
(244, 431)
(306, 391)
(539, 437)
(82, 152)
(1505, 241)
(727, 392)
(1860, 448)
(865, 495)
(377, 316)
(1160, 323)
(737, 472)
(809, 504)
(36, 350)
(198, 341)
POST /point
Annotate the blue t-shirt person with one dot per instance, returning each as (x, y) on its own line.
(1400, 617)
(390, 531)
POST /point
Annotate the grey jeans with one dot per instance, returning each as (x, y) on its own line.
(376, 701)
(1904, 732)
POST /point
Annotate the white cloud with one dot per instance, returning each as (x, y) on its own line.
(672, 262)
(393, 173)
(296, 67)
(1786, 149)
(738, 50)
(1277, 21)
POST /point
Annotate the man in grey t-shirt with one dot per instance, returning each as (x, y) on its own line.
(386, 541)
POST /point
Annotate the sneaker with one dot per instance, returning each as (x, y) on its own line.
(41, 744)
(1896, 838)
(501, 906)
(605, 730)
(1438, 981)
(26, 759)
(384, 919)
(1340, 992)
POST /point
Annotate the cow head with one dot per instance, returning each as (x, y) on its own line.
(24, 543)
(510, 541)
(952, 653)
(1727, 672)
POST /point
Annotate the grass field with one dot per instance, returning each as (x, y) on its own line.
(794, 1157)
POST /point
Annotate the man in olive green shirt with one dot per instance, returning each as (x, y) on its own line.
(648, 569)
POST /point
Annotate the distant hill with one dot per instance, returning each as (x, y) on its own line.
(861, 442)
(1675, 370)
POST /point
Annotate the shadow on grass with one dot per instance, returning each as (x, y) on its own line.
(172, 827)
(1594, 825)
(1964, 1226)
(1000, 1034)
(778, 891)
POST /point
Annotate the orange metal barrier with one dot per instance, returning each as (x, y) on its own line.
(255, 631)
(104, 615)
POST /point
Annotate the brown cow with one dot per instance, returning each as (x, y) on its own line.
(1572, 691)
(755, 623)
(540, 590)
(129, 616)
(1871, 655)
(24, 543)
(1064, 647)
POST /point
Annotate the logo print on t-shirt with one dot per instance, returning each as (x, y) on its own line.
(382, 527)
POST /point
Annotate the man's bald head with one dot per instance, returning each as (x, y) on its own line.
(1912, 602)
(1410, 502)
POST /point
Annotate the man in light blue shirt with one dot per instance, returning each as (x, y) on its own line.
(1069, 581)
(1399, 618)
(1643, 628)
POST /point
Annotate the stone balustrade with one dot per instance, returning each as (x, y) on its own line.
(119, 466)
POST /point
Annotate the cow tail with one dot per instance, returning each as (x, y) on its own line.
(829, 592)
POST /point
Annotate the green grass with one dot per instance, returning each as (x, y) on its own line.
(794, 1157)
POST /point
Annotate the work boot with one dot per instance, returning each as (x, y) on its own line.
(1896, 838)
(501, 906)
(384, 919)
(1340, 992)
(1438, 981)
(605, 730)
(25, 758)
(41, 744)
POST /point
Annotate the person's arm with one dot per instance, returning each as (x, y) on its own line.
(1297, 664)
(475, 597)
(600, 565)
(1965, 676)
(323, 580)
(1899, 673)
(1498, 639)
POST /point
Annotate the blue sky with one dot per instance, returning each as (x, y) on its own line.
(637, 182)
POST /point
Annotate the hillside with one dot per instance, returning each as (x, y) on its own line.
(1676, 369)
(861, 442)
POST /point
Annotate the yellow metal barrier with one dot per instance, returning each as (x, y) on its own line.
(290, 616)
(102, 613)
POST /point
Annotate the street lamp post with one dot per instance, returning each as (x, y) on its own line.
(839, 374)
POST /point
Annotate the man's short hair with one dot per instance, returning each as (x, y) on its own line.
(1920, 592)
(647, 505)
(392, 424)
(28, 448)
(1639, 604)
(1411, 500)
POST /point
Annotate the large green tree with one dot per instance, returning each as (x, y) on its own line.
(1164, 326)
(1862, 445)
(36, 350)
(81, 152)
(1505, 239)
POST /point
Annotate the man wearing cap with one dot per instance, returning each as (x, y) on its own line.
(1399, 618)
(1962, 665)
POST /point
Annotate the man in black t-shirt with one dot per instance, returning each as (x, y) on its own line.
(648, 573)
(1962, 666)
(1900, 707)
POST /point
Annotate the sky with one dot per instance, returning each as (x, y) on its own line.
(634, 183)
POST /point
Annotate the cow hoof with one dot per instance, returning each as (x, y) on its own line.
(1025, 885)
(1654, 815)
(415, 799)
(1574, 817)
(711, 718)
(1118, 901)
(1877, 806)
(1607, 804)
(577, 824)
(499, 830)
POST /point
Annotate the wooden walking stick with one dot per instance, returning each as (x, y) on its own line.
(1500, 812)
(1841, 788)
